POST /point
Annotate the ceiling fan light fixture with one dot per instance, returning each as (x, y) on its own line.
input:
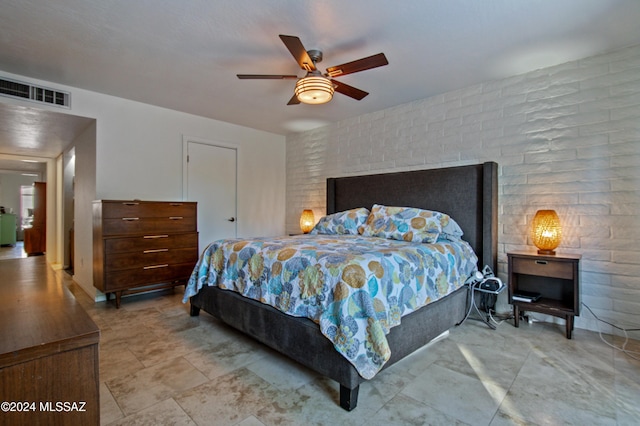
(314, 90)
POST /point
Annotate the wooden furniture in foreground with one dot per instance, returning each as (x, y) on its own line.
(48, 349)
(35, 237)
(556, 278)
(143, 245)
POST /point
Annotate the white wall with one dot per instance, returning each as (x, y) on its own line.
(67, 172)
(565, 137)
(138, 154)
(84, 194)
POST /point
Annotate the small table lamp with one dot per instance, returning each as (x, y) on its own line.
(546, 231)
(307, 221)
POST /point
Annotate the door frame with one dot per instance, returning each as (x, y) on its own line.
(185, 168)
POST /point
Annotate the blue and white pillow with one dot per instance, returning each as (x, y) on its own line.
(341, 223)
(451, 230)
(404, 223)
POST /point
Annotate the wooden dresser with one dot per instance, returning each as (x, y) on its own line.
(35, 236)
(48, 349)
(143, 245)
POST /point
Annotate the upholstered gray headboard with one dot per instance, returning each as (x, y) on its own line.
(469, 194)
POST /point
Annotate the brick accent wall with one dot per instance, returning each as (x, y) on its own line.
(566, 138)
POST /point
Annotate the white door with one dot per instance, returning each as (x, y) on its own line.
(211, 181)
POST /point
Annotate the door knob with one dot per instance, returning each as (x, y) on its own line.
(232, 219)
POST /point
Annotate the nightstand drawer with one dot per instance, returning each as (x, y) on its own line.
(543, 268)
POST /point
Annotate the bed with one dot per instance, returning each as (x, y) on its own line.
(466, 193)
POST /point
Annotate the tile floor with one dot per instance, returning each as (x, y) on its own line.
(160, 366)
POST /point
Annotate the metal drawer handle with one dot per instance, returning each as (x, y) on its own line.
(156, 236)
(541, 262)
(130, 218)
(176, 217)
(155, 250)
(130, 204)
(175, 204)
(156, 266)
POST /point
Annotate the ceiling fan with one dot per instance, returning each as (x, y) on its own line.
(315, 87)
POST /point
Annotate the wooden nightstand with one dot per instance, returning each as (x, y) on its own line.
(556, 278)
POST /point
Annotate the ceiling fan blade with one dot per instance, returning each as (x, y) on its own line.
(350, 91)
(265, 77)
(367, 63)
(294, 100)
(298, 51)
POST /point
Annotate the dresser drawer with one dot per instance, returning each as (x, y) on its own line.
(148, 226)
(140, 209)
(150, 242)
(543, 268)
(152, 274)
(150, 257)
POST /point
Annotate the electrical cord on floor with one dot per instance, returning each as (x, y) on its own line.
(488, 315)
(471, 300)
(629, 353)
(501, 320)
(624, 330)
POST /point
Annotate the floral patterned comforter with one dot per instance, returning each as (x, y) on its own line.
(355, 288)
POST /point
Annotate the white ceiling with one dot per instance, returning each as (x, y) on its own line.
(35, 135)
(184, 55)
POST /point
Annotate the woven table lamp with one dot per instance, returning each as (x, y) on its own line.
(306, 221)
(546, 231)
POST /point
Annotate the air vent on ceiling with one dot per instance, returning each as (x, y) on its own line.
(21, 90)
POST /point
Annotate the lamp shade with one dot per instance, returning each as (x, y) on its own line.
(314, 90)
(307, 221)
(546, 231)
